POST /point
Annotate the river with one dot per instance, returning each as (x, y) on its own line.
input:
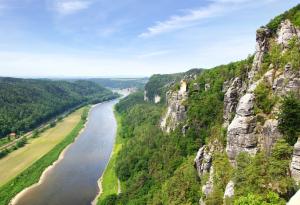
(73, 180)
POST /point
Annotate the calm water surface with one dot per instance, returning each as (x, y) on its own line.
(73, 181)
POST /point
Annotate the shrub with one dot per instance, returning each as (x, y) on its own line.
(289, 118)
(21, 142)
(109, 200)
(52, 124)
(254, 199)
(264, 101)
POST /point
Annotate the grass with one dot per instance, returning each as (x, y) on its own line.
(27, 165)
(109, 178)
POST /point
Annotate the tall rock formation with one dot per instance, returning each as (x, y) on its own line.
(176, 109)
(244, 133)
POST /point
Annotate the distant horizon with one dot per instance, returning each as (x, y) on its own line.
(76, 77)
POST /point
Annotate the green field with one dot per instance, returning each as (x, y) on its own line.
(24, 167)
(109, 182)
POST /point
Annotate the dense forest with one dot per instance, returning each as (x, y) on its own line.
(156, 167)
(159, 84)
(27, 103)
(119, 83)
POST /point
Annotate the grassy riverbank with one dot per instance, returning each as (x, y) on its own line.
(109, 179)
(32, 174)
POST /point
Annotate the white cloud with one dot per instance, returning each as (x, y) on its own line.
(66, 7)
(191, 17)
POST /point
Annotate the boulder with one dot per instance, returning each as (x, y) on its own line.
(229, 190)
(246, 104)
(203, 161)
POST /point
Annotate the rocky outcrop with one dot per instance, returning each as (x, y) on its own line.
(240, 134)
(286, 32)
(145, 96)
(295, 165)
(229, 190)
(269, 134)
(244, 134)
(207, 87)
(207, 189)
(176, 110)
(157, 99)
(233, 91)
(262, 45)
(288, 81)
(203, 161)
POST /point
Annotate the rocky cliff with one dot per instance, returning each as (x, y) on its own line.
(249, 128)
(176, 109)
(244, 133)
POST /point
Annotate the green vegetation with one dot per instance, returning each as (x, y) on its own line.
(293, 15)
(157, 168)
(159, 84)
(32, 174)
(120, 83)
(264, 100)
(205, 108)
(109, 180)
(25, 104)
(148, 159)
(263, 174)
(254, 199)
(289, 118)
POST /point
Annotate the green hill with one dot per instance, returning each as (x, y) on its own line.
(26, 103)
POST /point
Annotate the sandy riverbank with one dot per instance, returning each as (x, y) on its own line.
(48, 169)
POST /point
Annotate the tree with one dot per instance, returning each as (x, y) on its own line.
(289, 118)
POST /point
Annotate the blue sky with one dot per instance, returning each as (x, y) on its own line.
(92, 38)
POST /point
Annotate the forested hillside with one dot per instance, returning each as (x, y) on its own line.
(25, 103)
(227, 135)
(120, 83)
(159, 84)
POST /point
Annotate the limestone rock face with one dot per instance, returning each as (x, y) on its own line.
(295, 165)
(229, 190)
(244, 134)
(203, 161)
(246, 104)
(286, 32)
(240, 132)
(269, 135)
(288, 81)
(231, 97)
(176, 110)
(262, 44)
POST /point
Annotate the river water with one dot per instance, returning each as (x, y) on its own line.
(73, 181)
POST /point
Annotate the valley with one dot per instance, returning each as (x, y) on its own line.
(221, 134)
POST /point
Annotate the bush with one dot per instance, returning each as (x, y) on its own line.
(21, 142)
(264, 101)
(109, 200)
(52, 124)
(262, 173)
(254, 199)
(289, 118)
